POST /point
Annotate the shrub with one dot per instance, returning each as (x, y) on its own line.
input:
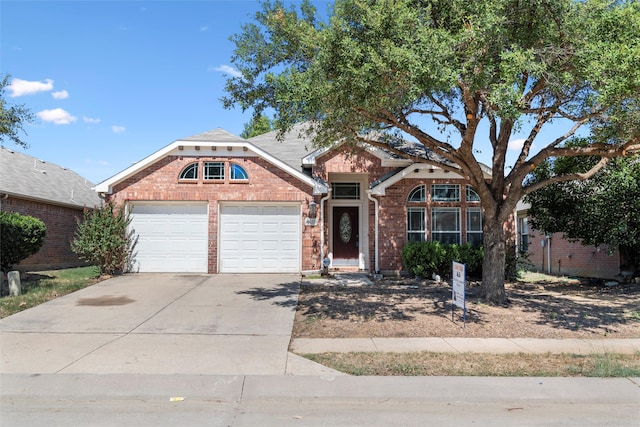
(102, 238)
(423, 258)
(20, 237)
(427, 258)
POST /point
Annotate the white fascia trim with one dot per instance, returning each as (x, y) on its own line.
(380, 189)
(310, 160)
(107, 185)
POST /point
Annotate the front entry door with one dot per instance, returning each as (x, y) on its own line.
(345, 232)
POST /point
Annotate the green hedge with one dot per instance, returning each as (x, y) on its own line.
(20, 237)
(426, 258)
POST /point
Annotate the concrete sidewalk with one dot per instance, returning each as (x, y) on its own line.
(464, 345)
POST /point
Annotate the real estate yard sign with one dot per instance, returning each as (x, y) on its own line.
(457, 290)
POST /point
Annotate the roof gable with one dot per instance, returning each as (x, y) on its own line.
(210, 141)
(25, 176)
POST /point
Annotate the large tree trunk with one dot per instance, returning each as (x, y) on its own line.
(493, 266)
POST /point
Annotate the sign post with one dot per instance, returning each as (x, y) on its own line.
(457, 290)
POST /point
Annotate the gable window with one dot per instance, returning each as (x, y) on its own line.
(472, 195)
(474, 226)
(213, 170)
(345, 190)
(190, 171)
(445, 193)
(237, 173)
(445, 225)
(416, 225)
(418, 194)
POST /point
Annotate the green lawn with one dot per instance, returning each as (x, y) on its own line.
(43, 286)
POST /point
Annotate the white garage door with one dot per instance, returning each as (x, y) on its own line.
(171, 237)
(257, 238)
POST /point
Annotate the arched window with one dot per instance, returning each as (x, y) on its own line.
(418, 194)
(472, 196)
(190, 171)
(237, 172)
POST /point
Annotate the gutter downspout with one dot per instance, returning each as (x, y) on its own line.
(322, 200)
(375, 241)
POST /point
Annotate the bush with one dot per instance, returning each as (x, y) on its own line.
(426, 258)
(20, 237)
(102, 238)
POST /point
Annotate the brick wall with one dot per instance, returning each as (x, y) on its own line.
(266, 183)
(571, 258)
(61, 227)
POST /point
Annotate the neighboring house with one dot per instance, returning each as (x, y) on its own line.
(553, 254)
(217, 203)
(55, 195)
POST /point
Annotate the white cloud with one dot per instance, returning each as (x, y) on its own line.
(62, 94)
(57, 116)
(118, 129)
(204, 28)
(227, 70)
(516, 144)
(90, 119)
(19, 87)
(103, 163)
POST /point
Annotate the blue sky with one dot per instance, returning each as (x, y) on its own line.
(114, 81)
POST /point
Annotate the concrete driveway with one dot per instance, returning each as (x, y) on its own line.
(158, 324)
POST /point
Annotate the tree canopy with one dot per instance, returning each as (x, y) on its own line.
(602, 210)
(452, 75)
(13, 117)
(256, 126)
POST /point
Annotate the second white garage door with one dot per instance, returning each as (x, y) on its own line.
(260, 238)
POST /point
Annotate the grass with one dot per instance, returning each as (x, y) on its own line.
(46, 286)
(482, 364)
(533, 277)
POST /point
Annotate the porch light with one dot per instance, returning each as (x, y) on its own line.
(313, 209)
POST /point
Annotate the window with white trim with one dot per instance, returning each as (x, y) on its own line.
(474, 226)
(213, 170)
(445, 193)
(190, 172)
(523, 230)
(237, 172)
(445, 225)
(345, 190)
(472, 195)
(418, 194)
(416, 225)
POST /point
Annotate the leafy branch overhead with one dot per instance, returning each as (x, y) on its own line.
(454, 76)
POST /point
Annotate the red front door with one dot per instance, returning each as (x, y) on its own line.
(345, 232)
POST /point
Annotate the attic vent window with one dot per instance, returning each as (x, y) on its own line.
(345, 191)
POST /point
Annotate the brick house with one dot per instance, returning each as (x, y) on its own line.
(55, 195)
(217, 203)
(553, 254)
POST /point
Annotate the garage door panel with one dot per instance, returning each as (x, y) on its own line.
(171, 237)
(260, 238)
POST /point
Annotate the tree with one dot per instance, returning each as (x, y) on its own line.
(452, 75)
(20, 237)
(102, 238)
(602, 210)
(256, 126)
(13, 118)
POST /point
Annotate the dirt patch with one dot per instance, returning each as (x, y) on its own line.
(410, 308)
(105, 301)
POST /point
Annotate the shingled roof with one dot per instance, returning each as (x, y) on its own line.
(28, 177)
